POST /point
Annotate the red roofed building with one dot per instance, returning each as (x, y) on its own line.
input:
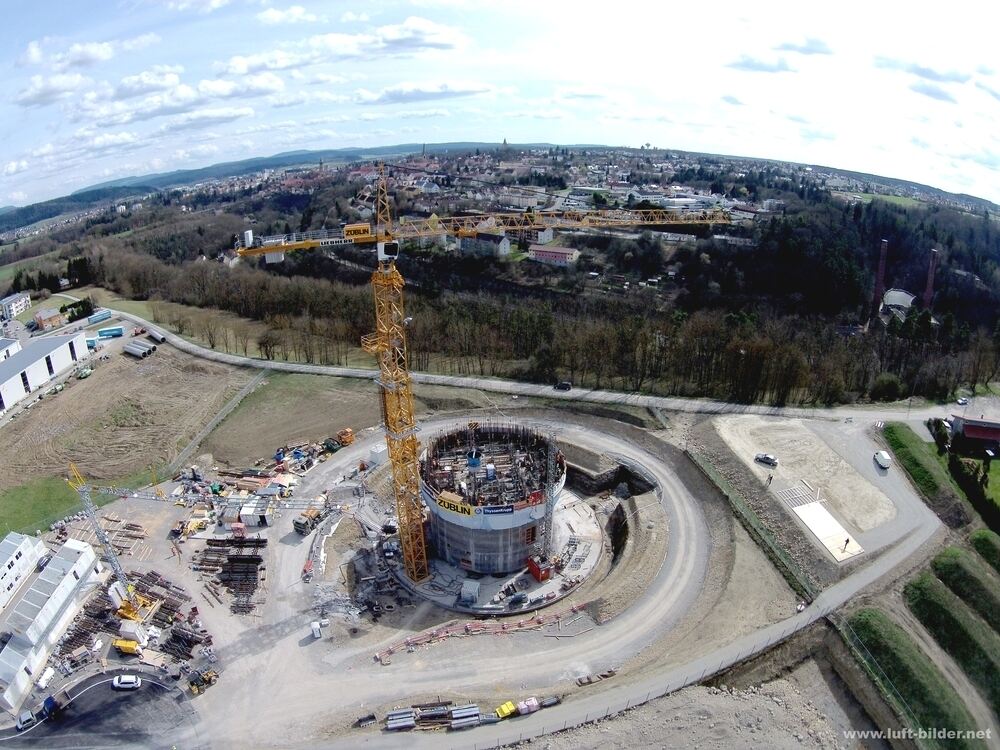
(985, 431)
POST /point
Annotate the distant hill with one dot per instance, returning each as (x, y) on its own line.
(296, 158)
(12, 217)
(27, 215)
(972, 201)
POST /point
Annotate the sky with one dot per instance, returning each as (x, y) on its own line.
(93, 90)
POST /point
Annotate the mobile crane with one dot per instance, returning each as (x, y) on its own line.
(388, 342)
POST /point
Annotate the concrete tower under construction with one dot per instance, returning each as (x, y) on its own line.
(491, 490)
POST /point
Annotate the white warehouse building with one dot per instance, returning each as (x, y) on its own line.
(41, 617)
(18, 556)
(24, 371)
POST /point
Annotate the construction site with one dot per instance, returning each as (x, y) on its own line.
(522, 567)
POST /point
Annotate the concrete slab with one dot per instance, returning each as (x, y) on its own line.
(828, 530)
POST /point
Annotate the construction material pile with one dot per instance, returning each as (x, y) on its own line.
(237, 564)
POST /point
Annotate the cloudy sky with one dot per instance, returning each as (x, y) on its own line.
(97, 89)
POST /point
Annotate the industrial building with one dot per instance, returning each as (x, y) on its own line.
(40, 618)
(14, 304)
(491, 490)
(19, 554)
(26, 370)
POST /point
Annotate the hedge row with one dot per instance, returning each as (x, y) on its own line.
(972, 644)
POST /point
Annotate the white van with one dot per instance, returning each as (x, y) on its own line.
(317, 633)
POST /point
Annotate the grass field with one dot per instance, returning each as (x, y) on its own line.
(973, 644)
(928, 471)
(929, 696)
(38, 503)
(972, 581)
(7, 271)
(987, 544)
(55, 302)
(896, 200)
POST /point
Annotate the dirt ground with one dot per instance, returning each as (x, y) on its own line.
(802, 455)
(807, 707)
(291, 408)
(127, 415)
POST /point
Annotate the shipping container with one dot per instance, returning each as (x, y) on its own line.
(98, 316)
(111, 332)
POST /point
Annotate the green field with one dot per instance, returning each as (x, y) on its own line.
(40, 502)
(55, 302)
(897, 200)
(987, 544)
(928, 695)
(972, 581)
(973, 644)
(928, 471)
(7, 271)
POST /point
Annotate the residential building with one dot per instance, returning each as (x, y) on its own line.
(554, 255)
(8, 348)
(40, 617)
(14, 304)
(486, 244)
(29, 369)
(48, 318)
(534, 236)
(18, 556)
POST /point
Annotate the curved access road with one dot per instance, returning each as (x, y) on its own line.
(515, 388)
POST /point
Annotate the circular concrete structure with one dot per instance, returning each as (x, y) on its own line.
(490, 496)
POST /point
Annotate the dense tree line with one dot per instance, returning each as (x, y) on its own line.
(747, 357)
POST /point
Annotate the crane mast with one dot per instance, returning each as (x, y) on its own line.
(388, 345)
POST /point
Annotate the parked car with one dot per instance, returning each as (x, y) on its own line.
(127, 682)
(564, 385)
(43, 561)
(963, 401)
(25, 719)
(883, 459)
(766, 458)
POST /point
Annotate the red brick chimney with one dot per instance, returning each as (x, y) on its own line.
(880, 279)
(929, 289)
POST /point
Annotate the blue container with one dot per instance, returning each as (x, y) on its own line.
(97, 317)
(91, 343)
(111, 332)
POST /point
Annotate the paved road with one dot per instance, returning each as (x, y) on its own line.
(156, 715)
(989, 405)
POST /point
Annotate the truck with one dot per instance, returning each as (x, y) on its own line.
(331, 445)
(308, 520)
(126, 646)
(99, 316)
(346, 436)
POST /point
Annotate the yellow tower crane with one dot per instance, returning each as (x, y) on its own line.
(388, 342)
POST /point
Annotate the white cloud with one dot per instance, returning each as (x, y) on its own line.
(83, 54)
(327, 78)
(17, 196)
(44, 90)
(13, 167)
(261, 83)
(195, 152)
(203, 6)
(416, 92)
(158, 78)
(204, 117)
(412, 36)
(292, 14)
(350, 16)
